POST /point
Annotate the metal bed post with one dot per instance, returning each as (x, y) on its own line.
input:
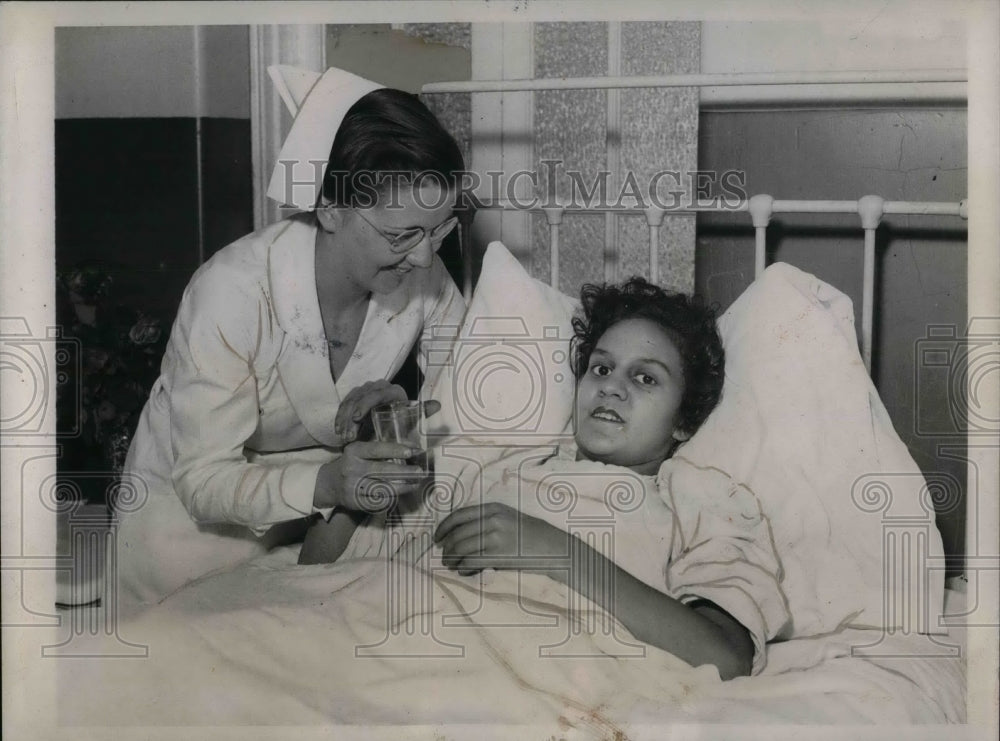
(465, 218)
(870, 211)
(554, 215)
(760, 211)
(654, 217)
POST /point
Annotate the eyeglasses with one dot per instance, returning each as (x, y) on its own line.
(408, 239)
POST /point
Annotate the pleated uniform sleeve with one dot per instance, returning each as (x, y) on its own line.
(223, 341)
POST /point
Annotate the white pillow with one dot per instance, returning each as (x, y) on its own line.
(800, 424)
(507, 378)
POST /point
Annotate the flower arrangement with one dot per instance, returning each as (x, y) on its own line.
(120, 352)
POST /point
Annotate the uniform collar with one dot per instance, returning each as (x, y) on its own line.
(390, 329)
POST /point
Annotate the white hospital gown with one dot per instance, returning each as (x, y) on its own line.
(690, 532)
(241, 419)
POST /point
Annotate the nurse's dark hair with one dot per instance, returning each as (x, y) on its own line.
(387, 137)
(688, 322)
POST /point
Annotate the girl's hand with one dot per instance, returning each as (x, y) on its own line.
(495, 536)
(366, 478)
(355, 407)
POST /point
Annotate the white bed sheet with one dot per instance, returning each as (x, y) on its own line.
(273, 643)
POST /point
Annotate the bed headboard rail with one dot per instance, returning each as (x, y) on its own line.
(761, 207)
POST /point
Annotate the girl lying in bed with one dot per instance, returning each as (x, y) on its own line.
(693, 570)
(650, 369)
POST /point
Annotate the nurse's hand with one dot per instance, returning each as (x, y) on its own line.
(355, 407)
(367, 478)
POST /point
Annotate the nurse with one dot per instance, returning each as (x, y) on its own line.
(285, 340)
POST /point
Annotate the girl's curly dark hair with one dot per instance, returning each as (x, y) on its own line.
(689, 323)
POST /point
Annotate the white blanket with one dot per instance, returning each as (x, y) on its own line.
(274, 643)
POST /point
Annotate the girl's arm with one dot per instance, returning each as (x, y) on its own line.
(350, 486)
(698, 634)
(326, 540)
(498, 536)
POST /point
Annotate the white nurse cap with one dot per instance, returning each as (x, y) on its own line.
(319, 104)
